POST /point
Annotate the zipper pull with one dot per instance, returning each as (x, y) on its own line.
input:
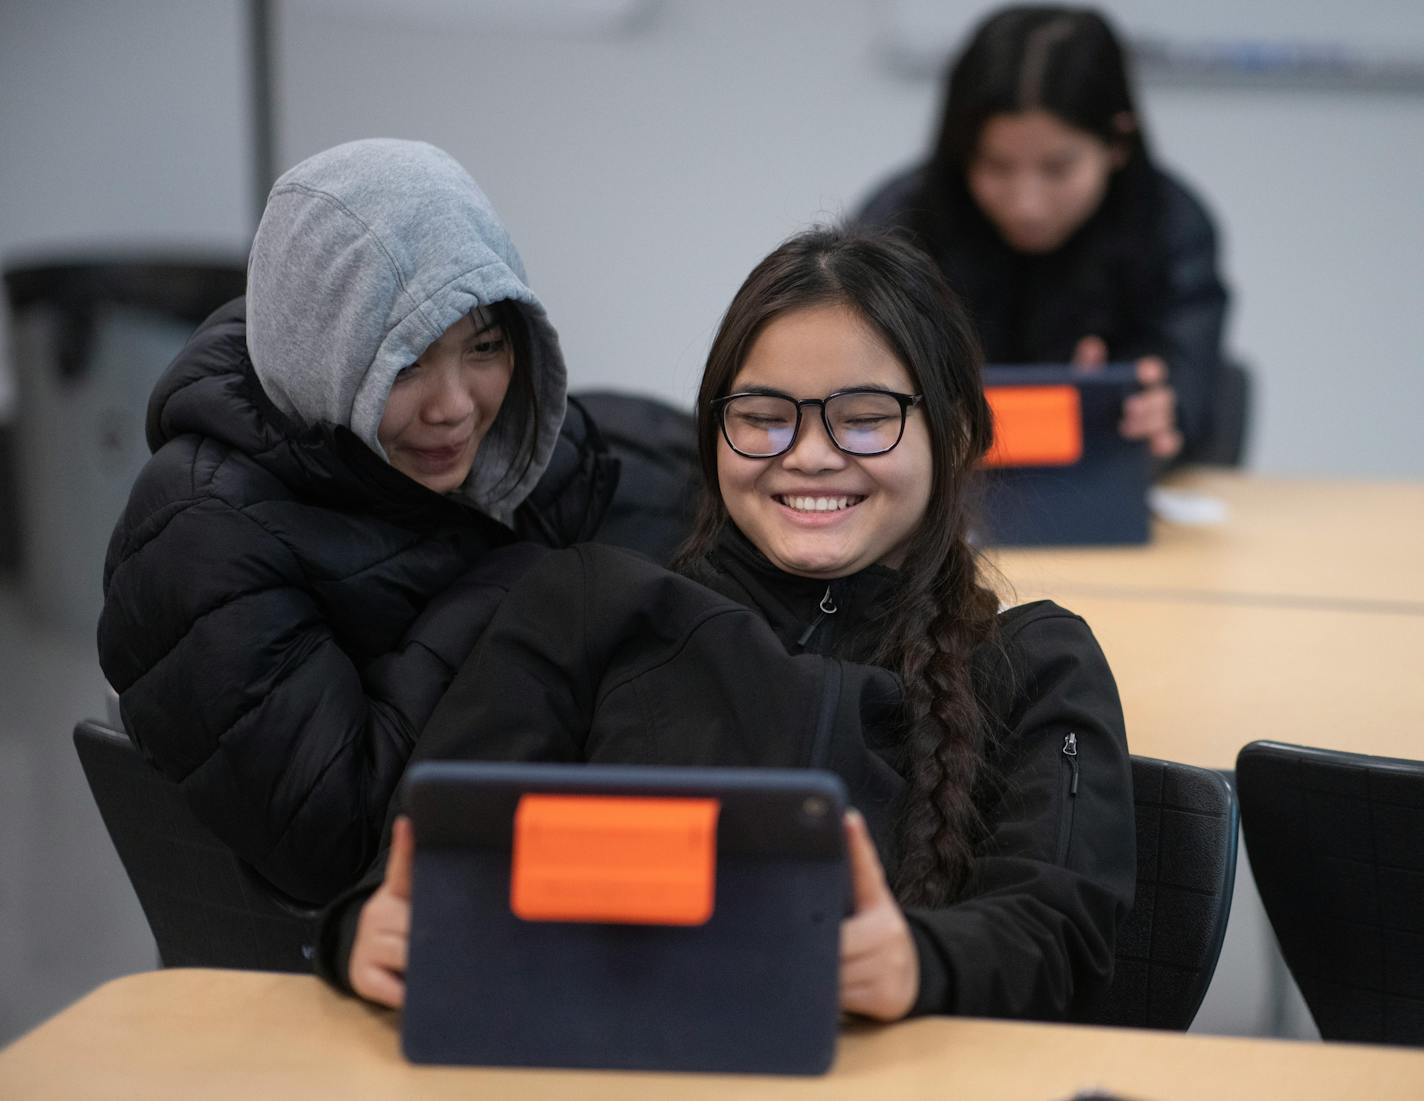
(828, 607)
(1070, 750)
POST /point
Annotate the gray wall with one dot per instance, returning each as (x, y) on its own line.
(122, 126)
(644, 170)
(644, 174)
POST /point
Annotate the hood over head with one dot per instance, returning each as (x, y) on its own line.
(365, 255)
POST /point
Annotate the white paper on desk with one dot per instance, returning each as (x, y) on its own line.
(1178, 506)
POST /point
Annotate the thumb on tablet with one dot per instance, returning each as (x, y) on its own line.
(401, 858)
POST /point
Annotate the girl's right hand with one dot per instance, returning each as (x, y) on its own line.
(378, 954)
(1151, 413)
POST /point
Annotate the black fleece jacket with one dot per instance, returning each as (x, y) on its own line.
(599, 656)
(283, 610)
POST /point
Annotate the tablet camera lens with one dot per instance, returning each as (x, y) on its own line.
(815, 807)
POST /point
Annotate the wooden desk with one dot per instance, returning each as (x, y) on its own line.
(218, 1034)
(1346, 544)
(1200, 680)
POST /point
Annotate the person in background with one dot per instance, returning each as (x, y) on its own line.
(830, 613)
(1042, 204)
(340, 469)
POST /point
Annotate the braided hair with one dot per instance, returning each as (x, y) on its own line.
(942, 611)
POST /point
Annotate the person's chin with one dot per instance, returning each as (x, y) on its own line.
(1032, 241)
(820, 562)
(1035, 246)
(442, 482)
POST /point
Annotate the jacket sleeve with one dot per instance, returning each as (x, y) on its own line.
(336, 926)
(231, 682)
(600, 656)
(1194, 313)
(1035, 932)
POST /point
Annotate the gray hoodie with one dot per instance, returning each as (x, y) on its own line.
(365, 255)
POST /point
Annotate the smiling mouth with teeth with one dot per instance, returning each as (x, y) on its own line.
(818, 504)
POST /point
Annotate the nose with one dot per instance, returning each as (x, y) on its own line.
(1027, 200)
(448, 400)
(813, 452)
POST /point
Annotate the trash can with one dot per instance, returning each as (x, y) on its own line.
(88, 342)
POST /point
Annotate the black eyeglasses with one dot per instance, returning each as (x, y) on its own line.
(858, 422)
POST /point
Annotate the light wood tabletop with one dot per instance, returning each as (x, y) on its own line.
(1200, 680)
(220, 1034)
(1322, 543)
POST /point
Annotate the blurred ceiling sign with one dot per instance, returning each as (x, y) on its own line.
(555, 18)
(1368, 45)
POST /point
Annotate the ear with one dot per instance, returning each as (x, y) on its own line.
(1125, 125)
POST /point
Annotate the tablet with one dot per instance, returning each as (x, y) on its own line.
(625, 917)
(1060, 472)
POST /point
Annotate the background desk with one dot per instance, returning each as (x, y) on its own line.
(1200, 680)
(217, 1034)
(1300, 618)
(1345, 544)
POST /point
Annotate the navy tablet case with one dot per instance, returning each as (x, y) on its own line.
(1099, 499)
(753, 990)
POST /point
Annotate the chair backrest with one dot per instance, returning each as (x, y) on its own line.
(1336, 842)
(1230, 429)
(205, 907)
(1186, 872)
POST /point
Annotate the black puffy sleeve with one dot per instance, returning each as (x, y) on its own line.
(1193, 315)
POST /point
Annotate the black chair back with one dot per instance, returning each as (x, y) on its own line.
(1336, 842)
(205, 907)
(1226, 440)
(1186, 873)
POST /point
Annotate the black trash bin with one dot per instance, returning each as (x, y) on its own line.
(88, 341)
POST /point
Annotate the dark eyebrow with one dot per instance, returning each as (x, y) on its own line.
(773, 393)
(481, 332)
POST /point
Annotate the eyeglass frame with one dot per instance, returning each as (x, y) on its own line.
(905, 401)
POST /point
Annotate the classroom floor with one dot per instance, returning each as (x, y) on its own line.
(69, 920)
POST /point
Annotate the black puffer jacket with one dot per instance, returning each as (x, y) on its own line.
(283, 609)
(600, 657)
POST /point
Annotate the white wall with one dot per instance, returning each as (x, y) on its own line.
(644, 171)
(1320, 199)
(641, 176)
(122, 126)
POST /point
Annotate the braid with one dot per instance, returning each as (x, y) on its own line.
(942, 611)
(945, 731)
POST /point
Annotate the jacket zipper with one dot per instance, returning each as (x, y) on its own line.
(1065, 824)
(828, 608)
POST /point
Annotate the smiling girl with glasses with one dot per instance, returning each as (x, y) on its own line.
(830, 613)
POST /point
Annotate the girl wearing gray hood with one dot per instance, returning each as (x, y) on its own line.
(342, 469)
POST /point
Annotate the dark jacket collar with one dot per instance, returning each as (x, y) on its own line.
(796, 607)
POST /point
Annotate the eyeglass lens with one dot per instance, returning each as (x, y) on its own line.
(762, 425)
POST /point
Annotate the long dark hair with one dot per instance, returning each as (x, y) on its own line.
(942, 611)
(1065, 61)
(1108, 277)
